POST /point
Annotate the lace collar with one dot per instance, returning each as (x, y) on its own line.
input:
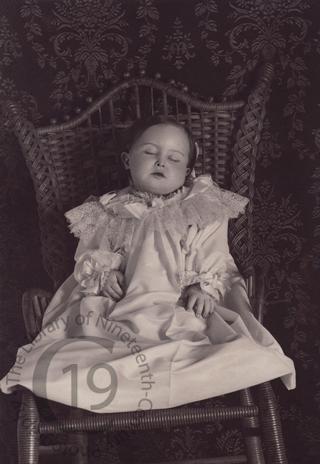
(201, 205)
(151, 198)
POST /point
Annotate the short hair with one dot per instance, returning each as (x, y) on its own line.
(141, 125)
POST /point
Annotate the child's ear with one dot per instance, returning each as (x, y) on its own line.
(125, 159)
(188, 170)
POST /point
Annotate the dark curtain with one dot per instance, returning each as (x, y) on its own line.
(56, 54)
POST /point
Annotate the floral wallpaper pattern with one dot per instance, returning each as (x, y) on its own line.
(56, 54)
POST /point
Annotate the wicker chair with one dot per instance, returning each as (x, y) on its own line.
(70, 161)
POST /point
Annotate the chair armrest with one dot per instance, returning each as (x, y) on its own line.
(34, 303)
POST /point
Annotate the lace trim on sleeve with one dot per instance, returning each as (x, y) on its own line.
(214, 279)
(213, 283)
(93, 267)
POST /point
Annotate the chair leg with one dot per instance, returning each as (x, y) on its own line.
(271, 425)
(28, 430)
(79, 440)
(251, 431)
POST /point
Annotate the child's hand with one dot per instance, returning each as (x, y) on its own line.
(199, 301)
(113, 284)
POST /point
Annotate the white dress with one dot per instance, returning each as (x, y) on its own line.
(147, 351)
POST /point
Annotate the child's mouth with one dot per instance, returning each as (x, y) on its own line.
(158, 174)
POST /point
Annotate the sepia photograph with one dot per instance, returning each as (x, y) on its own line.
(160, 227)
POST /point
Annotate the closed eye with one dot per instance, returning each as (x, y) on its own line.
(175, 159)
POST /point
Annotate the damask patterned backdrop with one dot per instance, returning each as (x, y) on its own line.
(54, 54)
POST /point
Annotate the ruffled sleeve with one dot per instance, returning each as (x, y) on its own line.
(93, 268)
(208, 261)
(94, 257)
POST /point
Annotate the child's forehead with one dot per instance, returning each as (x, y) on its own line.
(158, 129)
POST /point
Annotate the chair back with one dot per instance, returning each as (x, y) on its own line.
(72, 160)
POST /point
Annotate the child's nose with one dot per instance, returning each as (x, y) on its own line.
(160, 164)
(160, 160)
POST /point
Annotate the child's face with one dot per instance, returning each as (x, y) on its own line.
(158, 159)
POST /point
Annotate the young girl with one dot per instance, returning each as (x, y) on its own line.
(156, 313)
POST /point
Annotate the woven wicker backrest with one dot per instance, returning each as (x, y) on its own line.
(80, 157)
